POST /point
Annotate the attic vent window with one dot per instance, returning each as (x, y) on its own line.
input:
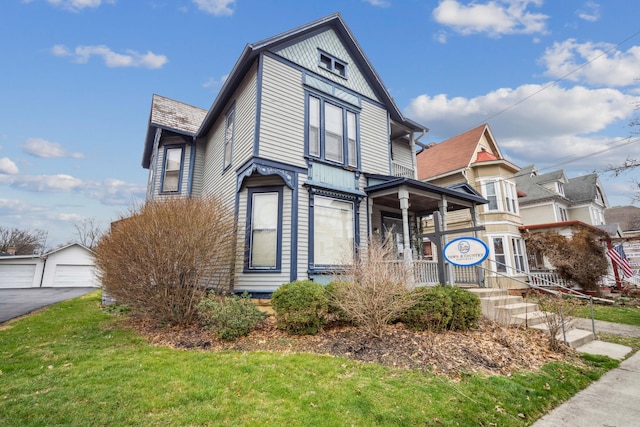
(333, 64)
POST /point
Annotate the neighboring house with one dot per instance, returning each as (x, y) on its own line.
(67, 266)
(473, 158)
(628, 220)
(551, 202)
(552, 197)
(308, 147)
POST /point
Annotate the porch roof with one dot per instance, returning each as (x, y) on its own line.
(424, 197)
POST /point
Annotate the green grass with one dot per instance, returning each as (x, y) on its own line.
(72, 364)
(627, 315)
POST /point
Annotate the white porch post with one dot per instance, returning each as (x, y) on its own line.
(443, 215)
(403, 195)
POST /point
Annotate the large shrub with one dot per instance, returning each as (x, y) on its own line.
(230, 317)
(161, 259)
(300, 306)
(431, 309)
(373, 288)
(466, 309)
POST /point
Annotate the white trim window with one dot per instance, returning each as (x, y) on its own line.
(510, 196)
(332, 132)
(562, 214)
(499, 254)
(491, 194)
(518, 255)
(333, 231)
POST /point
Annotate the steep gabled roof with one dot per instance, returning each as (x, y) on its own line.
(532, 187)
(627, 216)
(333, 21)
(457, 153)
(174, 116)
(582, 188)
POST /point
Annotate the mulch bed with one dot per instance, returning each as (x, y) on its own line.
(491, 348)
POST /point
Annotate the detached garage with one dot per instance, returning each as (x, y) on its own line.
(67, 266)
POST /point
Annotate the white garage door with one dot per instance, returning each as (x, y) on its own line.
(67, 276)
(17, 275)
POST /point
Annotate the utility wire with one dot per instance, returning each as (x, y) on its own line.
(610, 147)
(553, 83)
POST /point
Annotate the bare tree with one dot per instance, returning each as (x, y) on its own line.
(24, 242)
(88, 232)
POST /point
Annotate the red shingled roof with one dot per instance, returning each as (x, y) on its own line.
(450, 155)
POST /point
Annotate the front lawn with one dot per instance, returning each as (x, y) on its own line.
(72, 364)
(627, 315)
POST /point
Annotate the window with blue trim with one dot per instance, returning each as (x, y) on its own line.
(172, 169)
(264, 230)
(229, 128)
(333, 231)
(332, 132)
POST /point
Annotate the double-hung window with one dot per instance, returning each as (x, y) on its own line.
(333, 231)
(510, 197)
(263, 225)
(518, 255)
(172, 169)
(332, 132)
(491, 195)
(499, 253)
(229, 127)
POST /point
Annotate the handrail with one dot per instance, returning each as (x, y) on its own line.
(542, 288)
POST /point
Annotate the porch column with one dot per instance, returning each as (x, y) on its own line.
(443, 214)
(403, 195)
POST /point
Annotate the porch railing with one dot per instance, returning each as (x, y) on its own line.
(402, 171)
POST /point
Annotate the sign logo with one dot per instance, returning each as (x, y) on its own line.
(466, 251)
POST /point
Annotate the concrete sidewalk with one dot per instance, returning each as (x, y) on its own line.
(612, 401)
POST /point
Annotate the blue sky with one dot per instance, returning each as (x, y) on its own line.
(556, 81)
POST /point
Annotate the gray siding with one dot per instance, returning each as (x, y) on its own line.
(258, 281)
(282, 135)
(214, 181)
(374, 140)
(401, 153)
(305, 53)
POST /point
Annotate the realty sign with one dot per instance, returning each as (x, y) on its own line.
(466, 251)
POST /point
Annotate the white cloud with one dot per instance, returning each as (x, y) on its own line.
(108, 192)
(42, 148)
(216, 7)
(17, 207)
(131, 58)
(75, 5)
(590, 12)
(494, 18)
(7, 166)
(378, 3)
(545, 113)
(214, 83)
(555, 127)
(610, 67)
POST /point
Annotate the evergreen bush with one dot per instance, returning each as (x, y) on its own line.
(301, 307)
(230, 317)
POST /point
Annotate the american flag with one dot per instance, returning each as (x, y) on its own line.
(619, 258)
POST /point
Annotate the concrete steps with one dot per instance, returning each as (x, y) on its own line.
(499, 306)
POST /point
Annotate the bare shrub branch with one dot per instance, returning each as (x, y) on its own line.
(162, 258)
(373, 289)
(558, 311)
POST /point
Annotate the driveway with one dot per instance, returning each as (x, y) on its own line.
(17, 302)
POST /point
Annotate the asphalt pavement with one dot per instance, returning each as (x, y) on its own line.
(18, 302)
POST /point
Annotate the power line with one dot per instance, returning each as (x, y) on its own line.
(610, 147)
(553, 83)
